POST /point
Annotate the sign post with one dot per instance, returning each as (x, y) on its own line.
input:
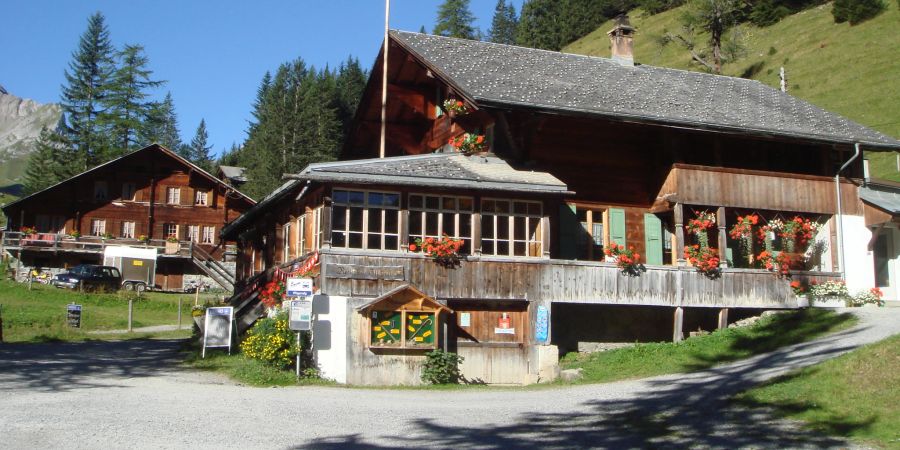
(300, 319)
(73, 315)
(217, 329)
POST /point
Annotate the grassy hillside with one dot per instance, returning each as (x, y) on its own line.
(850, 70)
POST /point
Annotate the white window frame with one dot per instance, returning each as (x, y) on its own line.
(209, 235)
(286, 231)
(101, 190)
(193, 233)
(167, 229)
(201, 198)
(529, 241)
(365, 220)
(129, 190)
(443, 213)
(301, 235)
(128, 229)
(318, 229)
(98, 227)
(173, 195)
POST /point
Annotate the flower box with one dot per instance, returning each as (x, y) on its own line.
(172, 247)
(802, 301)
(828, 302)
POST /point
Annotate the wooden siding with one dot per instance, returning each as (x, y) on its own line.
(565, 281)
(736, 188)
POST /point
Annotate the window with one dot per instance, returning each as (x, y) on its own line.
(434, 216)
(173, 196)
(301, 235)
(590, 238)
(100, 191)
(170, 230)
(286, 243)
(98, 227)
(127, 230)
(511, 228)
(209, 235)
(369, 220)
(201, 198)
(128, 190)
(319, 231)
(193, 233)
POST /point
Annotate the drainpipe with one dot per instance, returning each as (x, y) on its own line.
(840, 225)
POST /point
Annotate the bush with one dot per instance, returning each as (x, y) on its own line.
(441, 367)
(658, 6)
(271, 341)
(768, 12)
(856, 11)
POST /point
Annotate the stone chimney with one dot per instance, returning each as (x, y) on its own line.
(621, 40)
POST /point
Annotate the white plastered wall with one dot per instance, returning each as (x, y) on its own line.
(330, 336)
(858, 259)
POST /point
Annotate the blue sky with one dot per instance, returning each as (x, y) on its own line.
(212, 53)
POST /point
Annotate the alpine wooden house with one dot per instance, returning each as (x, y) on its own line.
(151, 197)
(539, 162)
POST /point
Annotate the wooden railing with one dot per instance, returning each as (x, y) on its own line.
(368, 275)
(53, 242)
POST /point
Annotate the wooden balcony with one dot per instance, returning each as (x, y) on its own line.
(59, 243)
(368, 274)
(754, 189)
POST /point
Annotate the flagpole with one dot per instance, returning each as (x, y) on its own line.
(384, 75)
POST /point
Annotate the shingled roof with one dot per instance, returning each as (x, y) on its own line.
(496, 75)
(439, 170)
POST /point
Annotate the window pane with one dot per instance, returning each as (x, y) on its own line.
(374, 241)
(391, 243)
(356, 219)
(465, 225)
(376, 198)
(487, 247)
(534, 209)
(415, 223)
(519, 249)
(487, 226)
(356, 198)
(503, 227)
(449, 203)
(449, 225)
(465, 204)
(519, 228)
(520, 208)
(431, 202)
(374, 220)
(392, 200)
(415, 201)
(355, 240)
(341, 196)
(534, 229)
(502, 248)
(338, 239)
(339, 218)
(392, 221)
(488, 206)
(431, 224)
(502, 206)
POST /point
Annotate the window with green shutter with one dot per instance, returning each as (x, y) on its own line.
(617, 226)
(653, 239)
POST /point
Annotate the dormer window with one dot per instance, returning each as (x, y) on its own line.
(101, 191)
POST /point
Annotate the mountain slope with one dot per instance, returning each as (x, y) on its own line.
(851, 70)
(21, 121)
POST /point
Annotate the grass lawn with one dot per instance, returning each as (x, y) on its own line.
(856, 395)
(701, 352)
(248, 371)
(39, 315)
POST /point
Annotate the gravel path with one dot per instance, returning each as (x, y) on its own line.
(131, 394)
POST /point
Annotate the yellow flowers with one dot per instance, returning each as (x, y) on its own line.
(271, 340)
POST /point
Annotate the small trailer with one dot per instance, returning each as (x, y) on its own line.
(137, 264)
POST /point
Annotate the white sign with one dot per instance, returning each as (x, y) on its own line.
(217, 328)
(301, 314)
(299, 287)
(465, 319)
(504, 331)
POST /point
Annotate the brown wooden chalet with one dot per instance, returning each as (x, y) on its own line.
(149, 197)
(582, 152)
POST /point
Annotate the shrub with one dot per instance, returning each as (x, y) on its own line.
(271, 341)
(768, 12)
(856, 11)
(658, 6)
(441, 367)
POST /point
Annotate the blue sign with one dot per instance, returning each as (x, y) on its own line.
(542, 325)
(299, 287)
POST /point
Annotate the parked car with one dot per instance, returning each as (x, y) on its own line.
(89, 277)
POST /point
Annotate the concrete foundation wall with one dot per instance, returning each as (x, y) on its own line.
(330, 336)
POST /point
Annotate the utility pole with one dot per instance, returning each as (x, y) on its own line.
(384, 75)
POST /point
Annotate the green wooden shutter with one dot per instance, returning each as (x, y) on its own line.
(729, 256)
(568, 231)
(653, 239)
(617, 226)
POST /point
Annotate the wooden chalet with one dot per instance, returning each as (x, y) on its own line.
(582, 152)
(146, 198)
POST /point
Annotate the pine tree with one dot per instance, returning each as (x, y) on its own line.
(161, 125)
(350, 83)
(199, 148)
(45, 165)
(455, 20)
(540, 25)
(87, 88)
(503, 25)
(128, 112)
(422, 30)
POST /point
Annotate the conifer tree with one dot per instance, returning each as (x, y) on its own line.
(503, 25)
(422, 30)
(540, 25)
(161, 125)
(87, 88)
(199, 148)
(128, 112)
(455, 20)
(45, 165)
(350, 83)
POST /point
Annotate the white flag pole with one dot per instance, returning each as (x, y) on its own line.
(384, 75)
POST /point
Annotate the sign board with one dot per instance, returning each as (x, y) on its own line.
(465, 319)
(299, 287)
(73, 315)
(358, 272)
(218, 326)
(542, 325)
(300, 318)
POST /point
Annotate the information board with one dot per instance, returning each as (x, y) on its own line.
(73, 315)
(218, 326)
(300, 317)
(299, 287)
(542, 325)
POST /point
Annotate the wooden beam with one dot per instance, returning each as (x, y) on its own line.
(679, 234)
(678, 335)
(723, 319)
(414, 99)
(723, 238)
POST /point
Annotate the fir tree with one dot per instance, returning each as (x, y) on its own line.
(455, 20)
(350, 83)
(503, 25)
(422, 30)
(129, 113)
(87, 88)
(199, 148)
(45, 165)
(540, 25)
(161, 125)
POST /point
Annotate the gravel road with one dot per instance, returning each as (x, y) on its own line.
(132, 394)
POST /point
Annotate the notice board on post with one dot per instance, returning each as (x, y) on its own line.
(73, 315)
(301, 314)
(217, 329)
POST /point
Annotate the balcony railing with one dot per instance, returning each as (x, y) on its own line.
(54, 242)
